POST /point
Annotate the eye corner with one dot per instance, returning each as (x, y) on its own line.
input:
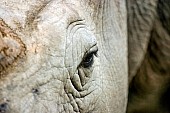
(96, 53)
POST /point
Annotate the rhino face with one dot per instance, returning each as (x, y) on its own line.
(61, 61)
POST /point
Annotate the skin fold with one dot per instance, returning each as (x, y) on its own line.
(66, 56)
(73, 56)
(149, 56)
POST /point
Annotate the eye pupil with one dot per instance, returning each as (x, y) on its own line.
(88, 60)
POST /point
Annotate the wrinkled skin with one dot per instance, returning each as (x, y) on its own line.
(149, 56)
(49, 58)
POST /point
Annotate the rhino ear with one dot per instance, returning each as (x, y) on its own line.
(11, 46)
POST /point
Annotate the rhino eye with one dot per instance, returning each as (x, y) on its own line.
(88, 60)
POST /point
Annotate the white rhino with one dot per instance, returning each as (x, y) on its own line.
(63, 56)
(81, 55)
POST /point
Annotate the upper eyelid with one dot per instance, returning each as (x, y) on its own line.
(74, 26)
(80, 23)
(91, 51)
(76, 22)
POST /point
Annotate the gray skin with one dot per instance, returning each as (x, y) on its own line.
(149, 56)
(49, 61)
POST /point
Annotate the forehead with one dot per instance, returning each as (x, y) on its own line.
(57, 14)
(26, 11)
(52, 20)
(62, 25)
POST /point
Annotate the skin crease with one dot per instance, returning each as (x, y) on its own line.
(47, 79)
(58, 35)
(149, 88)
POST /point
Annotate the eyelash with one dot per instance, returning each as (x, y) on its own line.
(88, 60)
